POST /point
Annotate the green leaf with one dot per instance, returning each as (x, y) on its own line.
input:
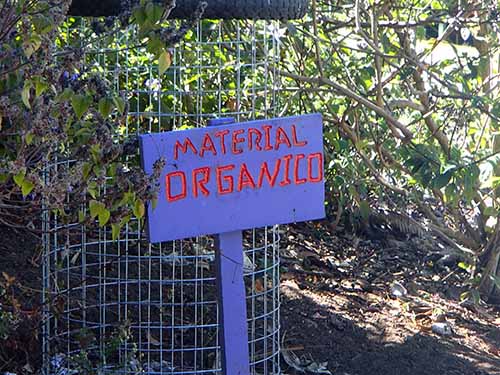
(120, 104)
(125, 220)
(32, 45)
(29, 138)
(153, 12)
(19, 178)
(86, 169)
(464, 266)
(67, 94)
(442, 180)
(81, 216)
(26, 93)
(115, 231)
(139, 15)
(40, 87)
(92, 191)
(106, 106)
(450, 192)
(364, 209)
(139, 208)
(155, 46)
(27, 187)
(104, 216)
(128, 198)
(164, 62)
(95, 208)
(81, 104)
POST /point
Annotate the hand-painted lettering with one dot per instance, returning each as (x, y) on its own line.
(282, 139)
(224, 176)
(236, 140)
(222, 136)
(208, 145)
(183, 184)
(319, 161)
(264, 172)
(245, 179)
(296, 142)
(286, 178)
(297, 180)
(200, 184)
(228, 179)
(258, 138)
(183, 147)
(267, 133)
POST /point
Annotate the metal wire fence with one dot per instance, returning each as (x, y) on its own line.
(126, 306)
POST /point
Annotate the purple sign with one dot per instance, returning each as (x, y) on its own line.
(238, 176)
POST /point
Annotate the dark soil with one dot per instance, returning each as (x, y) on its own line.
(338, 309)
(337, 306)
(21, 284)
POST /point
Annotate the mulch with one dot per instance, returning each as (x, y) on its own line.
(339, 312)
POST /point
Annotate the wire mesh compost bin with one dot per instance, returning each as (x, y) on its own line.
(126, 306)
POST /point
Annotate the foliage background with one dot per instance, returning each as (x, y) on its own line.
(409, 92)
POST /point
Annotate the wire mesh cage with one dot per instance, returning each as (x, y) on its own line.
(125, 306)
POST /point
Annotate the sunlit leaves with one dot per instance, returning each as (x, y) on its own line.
(106, 106)
(80, 104)
(32, 44)
(164, 62)
(139, 209)
(120, 104)
(25, 184)
(26, 93)
(19, 177)
(99, 210)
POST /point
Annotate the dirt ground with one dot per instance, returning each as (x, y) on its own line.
(351, 305)
(342, 312)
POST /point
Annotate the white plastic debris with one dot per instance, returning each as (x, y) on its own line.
(248, 265)
(58, 363)
(465, 33)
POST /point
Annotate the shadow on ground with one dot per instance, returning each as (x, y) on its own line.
(316, 332)
(337, 308)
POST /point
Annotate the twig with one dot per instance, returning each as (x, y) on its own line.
(406, 135)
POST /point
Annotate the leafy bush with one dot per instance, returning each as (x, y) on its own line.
(60, 120)
(61, 139)
(412, 114)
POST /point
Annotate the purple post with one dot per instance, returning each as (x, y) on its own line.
(232, 303)
(231, 296)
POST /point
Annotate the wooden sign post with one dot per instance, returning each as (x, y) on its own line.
(229, 177)
(229, 259)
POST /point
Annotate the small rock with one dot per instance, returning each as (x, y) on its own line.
(442, 329)
(398, 290)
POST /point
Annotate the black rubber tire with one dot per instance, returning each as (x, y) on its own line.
(216, 9)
